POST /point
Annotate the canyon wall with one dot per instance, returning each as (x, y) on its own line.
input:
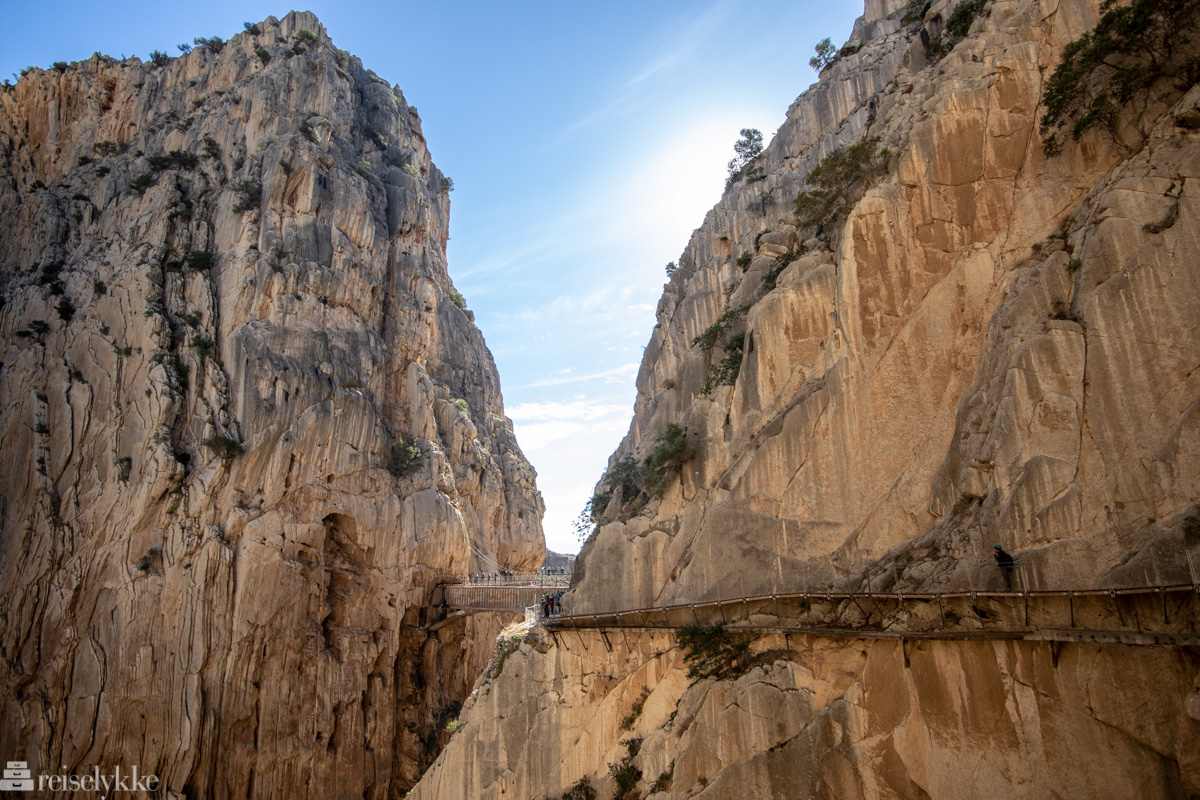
(989, 347)
(247, 424)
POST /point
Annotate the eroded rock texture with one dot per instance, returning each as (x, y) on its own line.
(829, 720)
(993, 347)
(241, 249)
(989, 347)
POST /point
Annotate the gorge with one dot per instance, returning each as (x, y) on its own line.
(249, 429)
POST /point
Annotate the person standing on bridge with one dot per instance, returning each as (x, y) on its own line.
(1006, 563)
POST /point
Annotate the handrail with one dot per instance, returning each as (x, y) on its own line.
(905, 600)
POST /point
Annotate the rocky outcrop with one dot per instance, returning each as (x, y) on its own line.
(827, 720)
(988, 346)
(991, 347)
(246, 426)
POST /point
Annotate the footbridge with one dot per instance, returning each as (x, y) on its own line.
(1134, 615)
(454, 598)
(1141, 615)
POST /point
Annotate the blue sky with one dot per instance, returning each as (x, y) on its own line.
(586, 142)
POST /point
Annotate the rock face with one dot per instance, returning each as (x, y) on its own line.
(828, 720)
(246, 427)
(989, 346)
(992, 346)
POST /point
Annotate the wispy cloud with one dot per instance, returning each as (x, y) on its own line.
(627, 371)
(673, 54)
(586, 410)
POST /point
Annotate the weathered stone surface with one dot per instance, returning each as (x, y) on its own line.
(994, 348)
(991, 347)
(830, 719)
(238, 625)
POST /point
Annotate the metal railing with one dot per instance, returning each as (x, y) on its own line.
(1132, 615)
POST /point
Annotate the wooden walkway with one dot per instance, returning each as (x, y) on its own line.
(476, 597)
(1157, 615)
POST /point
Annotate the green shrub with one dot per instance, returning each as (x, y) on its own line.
(211, 148)
(781, 263)
(580, 791)
(158, 58)
(99, 288)
(146, 561)
(454, 726)
(671, 267)
(101, 171)
(404, 456)
(176, 159)
(711, 652)
(458, 299)
(200, 259)
(1117, 64)
(412, 171)
(214, 44)
(744, 260)
(663, 783)
(957, 28)
(447, 184)
(65, 309)
(50, 274)
(251, 28)
(671, 452)
(714, 333)
(224, 446)
(61, 66)
(204, 346)
(107, 148)
(249, 195)
(310, 132)
(631, 719)
(33, 187)
(826, 55)
(726, 371)
(837, 182)
(746, 149)
(264, 55)
(462, 404)
(625, 773)
(915, 11)
(141, 183)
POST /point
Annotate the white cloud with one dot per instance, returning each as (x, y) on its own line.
(585, 410)
(626, 371)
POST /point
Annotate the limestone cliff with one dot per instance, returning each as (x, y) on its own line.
(992, 346)
(988, 346)
(245, 424)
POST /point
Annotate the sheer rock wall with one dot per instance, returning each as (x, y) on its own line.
(238, 624)
(995, 347)
(999, 348)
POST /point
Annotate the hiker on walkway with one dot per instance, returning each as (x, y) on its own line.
(1006, 563)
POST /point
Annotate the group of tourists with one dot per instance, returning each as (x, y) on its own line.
(502, 576)
(552, 603)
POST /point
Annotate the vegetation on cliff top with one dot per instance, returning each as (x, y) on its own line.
(1115, 65)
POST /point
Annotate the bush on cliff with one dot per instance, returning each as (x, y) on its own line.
(1116, 65)
(837, 183)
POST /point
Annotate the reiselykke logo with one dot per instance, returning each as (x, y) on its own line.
(19, 778)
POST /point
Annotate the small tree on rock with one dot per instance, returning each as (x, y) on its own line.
(747, 148)
(826, 55)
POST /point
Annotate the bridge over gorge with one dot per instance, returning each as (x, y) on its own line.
(1140, 615)
(455, 598)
